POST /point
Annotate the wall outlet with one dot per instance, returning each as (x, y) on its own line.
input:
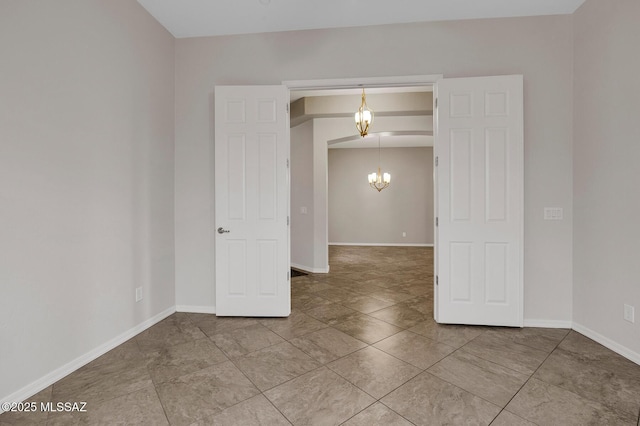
(404, 234)
(138, 294)
(629, 313)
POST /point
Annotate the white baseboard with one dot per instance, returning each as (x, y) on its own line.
(310, 269)
(605, 341)
(191, 309)
(547, 323)
(57, 374)
(383, 244)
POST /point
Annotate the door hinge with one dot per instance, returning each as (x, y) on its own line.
(287, 108)
(288, 275)
(436, 103)
(436, 280)
(436, 221)
(436, 161)
(287, 163)
(287, 220)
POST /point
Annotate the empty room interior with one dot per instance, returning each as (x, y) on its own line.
(169, 255)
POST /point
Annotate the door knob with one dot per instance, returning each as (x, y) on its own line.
(221, 230)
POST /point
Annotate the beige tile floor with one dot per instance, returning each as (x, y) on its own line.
(360, 348)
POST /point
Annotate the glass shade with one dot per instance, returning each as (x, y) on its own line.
(379, 181)
(363, 117)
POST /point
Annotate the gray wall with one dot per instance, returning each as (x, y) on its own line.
(360, 214)
(302, 196)
(86, 181)
(540, 48)
(606, 173)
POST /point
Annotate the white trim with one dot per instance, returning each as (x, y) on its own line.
(57, 374)
(350, 83)
(383, 244)
(606, 342)
(310, 269)
(192, 309)
(542, 323)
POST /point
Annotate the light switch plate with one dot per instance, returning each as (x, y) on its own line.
(553, 213)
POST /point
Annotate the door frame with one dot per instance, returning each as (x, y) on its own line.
(355, 83)
(366, 82)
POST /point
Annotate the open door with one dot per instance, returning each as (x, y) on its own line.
(252, 201)
(479, 201)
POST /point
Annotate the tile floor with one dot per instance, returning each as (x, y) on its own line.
(360, 348)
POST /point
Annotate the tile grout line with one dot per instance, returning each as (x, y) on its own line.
(393, 411)
(464, 390)
(608, 407)
(527, 381)
(325, 365)
(231, 360)
(261, 392)
(421, 370)
(155, 386)
(424, 337)
(276, 408)
(280, 384)
(377, 399)
(155, 389)
(52, 414)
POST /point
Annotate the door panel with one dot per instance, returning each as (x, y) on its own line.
(237, 193)
(460, 188)
(252, 201)
(479, 201)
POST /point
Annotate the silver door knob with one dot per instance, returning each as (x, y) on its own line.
(221, 230)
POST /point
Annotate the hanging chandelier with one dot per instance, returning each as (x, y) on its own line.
(364, 116)
(379, 180)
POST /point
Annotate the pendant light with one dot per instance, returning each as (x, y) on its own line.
(379, 181)
(363, 117)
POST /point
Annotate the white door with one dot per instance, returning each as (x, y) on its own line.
(252, 201)
(479, 201)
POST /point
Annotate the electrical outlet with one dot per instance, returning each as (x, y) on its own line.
(629, 313)
(404, 234)
(138, 294)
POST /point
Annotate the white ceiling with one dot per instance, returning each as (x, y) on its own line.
(197, 18)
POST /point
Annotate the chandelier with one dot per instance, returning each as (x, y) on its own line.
(364, 117)
(379, 180)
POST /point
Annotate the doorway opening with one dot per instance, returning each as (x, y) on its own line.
(404, 122)
(478, 198)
